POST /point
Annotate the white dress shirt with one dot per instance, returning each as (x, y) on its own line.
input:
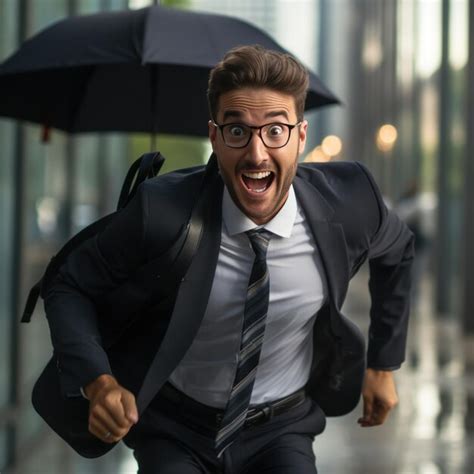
(297, 291)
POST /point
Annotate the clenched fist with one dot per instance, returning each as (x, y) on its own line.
(112, 409)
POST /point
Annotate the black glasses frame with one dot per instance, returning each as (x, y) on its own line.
(290, 128)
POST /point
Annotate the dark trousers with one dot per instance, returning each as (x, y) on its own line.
(166, 443)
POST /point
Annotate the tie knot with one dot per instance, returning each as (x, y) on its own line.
(259, 239)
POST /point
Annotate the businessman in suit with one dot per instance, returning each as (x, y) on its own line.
(254, 336)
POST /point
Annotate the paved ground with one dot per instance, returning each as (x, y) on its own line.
(432, 430)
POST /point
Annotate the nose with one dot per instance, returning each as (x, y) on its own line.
(257, 152)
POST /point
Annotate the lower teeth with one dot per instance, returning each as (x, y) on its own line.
(251, 183)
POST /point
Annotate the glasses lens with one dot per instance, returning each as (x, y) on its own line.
(275, 135)
(235, 134)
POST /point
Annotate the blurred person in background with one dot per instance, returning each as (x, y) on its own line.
(416, 210)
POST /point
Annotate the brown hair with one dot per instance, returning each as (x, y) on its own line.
(255, 66)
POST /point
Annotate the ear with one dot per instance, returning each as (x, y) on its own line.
(302, 130)
(212, 134)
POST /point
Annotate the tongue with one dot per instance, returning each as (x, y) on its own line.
(257, 184)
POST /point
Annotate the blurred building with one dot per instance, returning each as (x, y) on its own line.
(404, 72)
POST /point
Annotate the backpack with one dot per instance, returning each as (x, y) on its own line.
(68, 417)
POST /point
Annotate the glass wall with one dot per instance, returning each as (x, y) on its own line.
(8, 137)
(44, 226)
(48, 190)
(457, 117)
(8, 41)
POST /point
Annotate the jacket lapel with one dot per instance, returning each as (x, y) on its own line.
(329, 237)
(191, 300)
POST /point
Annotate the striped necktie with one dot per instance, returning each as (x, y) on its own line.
(253, 329)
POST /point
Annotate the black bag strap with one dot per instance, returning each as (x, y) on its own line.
(186, 245)
(194, 231)
(147, 166)
(57, 260)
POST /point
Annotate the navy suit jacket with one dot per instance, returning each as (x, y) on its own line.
(91, 304)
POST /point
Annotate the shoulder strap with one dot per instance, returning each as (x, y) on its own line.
(147, 166)
(187, 244)
(57, 260)
(195, 224)
(193, 237)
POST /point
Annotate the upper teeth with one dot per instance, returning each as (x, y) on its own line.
(259, 175)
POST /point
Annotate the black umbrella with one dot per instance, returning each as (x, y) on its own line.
(139, 71)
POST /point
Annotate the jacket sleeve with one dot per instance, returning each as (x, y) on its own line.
(97, 266)
(390, 256)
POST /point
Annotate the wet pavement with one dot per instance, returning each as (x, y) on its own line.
(432, 429)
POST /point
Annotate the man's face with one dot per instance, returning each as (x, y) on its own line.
(258, 178)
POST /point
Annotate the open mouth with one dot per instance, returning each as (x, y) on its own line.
(257, 182)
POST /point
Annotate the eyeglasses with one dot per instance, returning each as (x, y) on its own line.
(273, 135)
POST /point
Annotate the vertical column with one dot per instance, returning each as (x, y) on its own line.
(70, 163)
(390, 102)
(17, 236)
(468, 228)
(443, 268)
(324, 45)
(357, 109)
(417, 151)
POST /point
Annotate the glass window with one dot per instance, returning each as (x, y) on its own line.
(7, 135)
(4, 435)
(46, 226)
(179, 152)
(46, 223)
(66, 185)
(457, 61)
(101, 164)
(86, 182)
(117, 5)
(87, 6)
(8, 27)
(114, 167)
(91, 6)
(44, 13)
(8, 39)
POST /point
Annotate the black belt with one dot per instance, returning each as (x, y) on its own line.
(265, 411)
(205, 416)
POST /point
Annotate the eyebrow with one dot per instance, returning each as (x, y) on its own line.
(238, 114)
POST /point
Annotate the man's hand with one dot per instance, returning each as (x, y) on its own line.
(112, 409)
(380, 396)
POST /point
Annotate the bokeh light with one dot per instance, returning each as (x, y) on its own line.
(331, 145)
(386, 137)
(317, 155)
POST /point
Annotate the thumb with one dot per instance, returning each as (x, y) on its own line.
(368, 408)
(129, 406)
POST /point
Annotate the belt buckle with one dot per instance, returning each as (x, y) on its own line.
(263, 414)
(267, 412)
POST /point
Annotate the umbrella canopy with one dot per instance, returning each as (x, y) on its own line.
(138, 71)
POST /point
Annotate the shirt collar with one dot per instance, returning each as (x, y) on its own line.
(237, 222)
